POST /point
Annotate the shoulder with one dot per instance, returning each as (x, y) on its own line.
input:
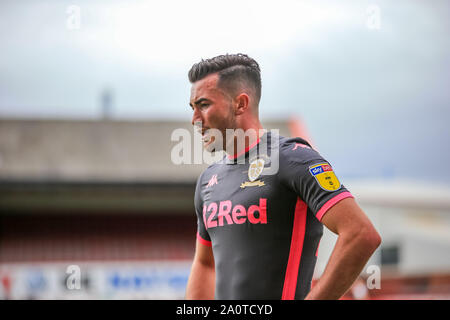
(297, 150)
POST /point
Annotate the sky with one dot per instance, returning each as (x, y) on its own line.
(369, 78)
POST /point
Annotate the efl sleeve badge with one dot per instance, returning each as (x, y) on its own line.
(325, 176)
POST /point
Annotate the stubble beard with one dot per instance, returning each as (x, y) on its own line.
(227, 141)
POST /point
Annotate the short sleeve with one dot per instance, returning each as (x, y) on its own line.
(202, 233)
(304, 171)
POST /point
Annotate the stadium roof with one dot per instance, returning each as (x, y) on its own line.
(95, 151)
(95, 165)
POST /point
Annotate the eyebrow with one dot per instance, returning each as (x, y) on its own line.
(199, 101)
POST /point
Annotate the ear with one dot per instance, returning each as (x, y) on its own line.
(242, 103)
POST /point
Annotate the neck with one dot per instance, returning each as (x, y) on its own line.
(246, 138)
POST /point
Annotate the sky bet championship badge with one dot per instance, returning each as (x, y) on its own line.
(325, 176)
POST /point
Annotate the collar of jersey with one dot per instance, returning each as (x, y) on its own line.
(243, 153)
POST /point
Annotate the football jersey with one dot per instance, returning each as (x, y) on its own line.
(261, 212)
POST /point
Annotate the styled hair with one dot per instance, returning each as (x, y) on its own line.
(234, 70)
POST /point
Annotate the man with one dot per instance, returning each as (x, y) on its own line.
(258, 233)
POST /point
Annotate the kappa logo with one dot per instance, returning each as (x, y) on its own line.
(212, 181)
(299, 145)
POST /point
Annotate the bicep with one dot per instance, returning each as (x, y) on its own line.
(204, 254)
(346, 216)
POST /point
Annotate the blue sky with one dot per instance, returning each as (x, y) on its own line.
(370, 78)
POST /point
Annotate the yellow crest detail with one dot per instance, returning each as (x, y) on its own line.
(257, 183)
(325, 176)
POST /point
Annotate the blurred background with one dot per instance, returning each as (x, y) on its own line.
(91, 92)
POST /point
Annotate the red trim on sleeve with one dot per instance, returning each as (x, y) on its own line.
(203, 241)
(295, 252)
(331, 203)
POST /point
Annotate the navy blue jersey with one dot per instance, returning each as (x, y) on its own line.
(264, 224)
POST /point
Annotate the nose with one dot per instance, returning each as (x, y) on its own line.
(196, 117)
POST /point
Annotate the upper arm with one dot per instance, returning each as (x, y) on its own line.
(345, 215)
(203, 248)
(311, 177)
(347, 218)
(202, 232)
(204, 254)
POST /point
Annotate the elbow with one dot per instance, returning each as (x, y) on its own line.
(370, 238)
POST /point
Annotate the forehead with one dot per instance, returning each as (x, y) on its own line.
(205, 87)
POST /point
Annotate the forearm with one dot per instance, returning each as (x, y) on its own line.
(347, 260)
(201, 282)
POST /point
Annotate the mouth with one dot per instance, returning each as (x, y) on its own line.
(206, 138)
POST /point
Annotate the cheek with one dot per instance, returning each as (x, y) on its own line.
(219, 117)
(210, 116)
(214, 115)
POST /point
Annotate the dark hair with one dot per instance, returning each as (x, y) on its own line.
(233, 70)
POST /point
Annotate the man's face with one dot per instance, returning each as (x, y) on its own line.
(213, 108)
